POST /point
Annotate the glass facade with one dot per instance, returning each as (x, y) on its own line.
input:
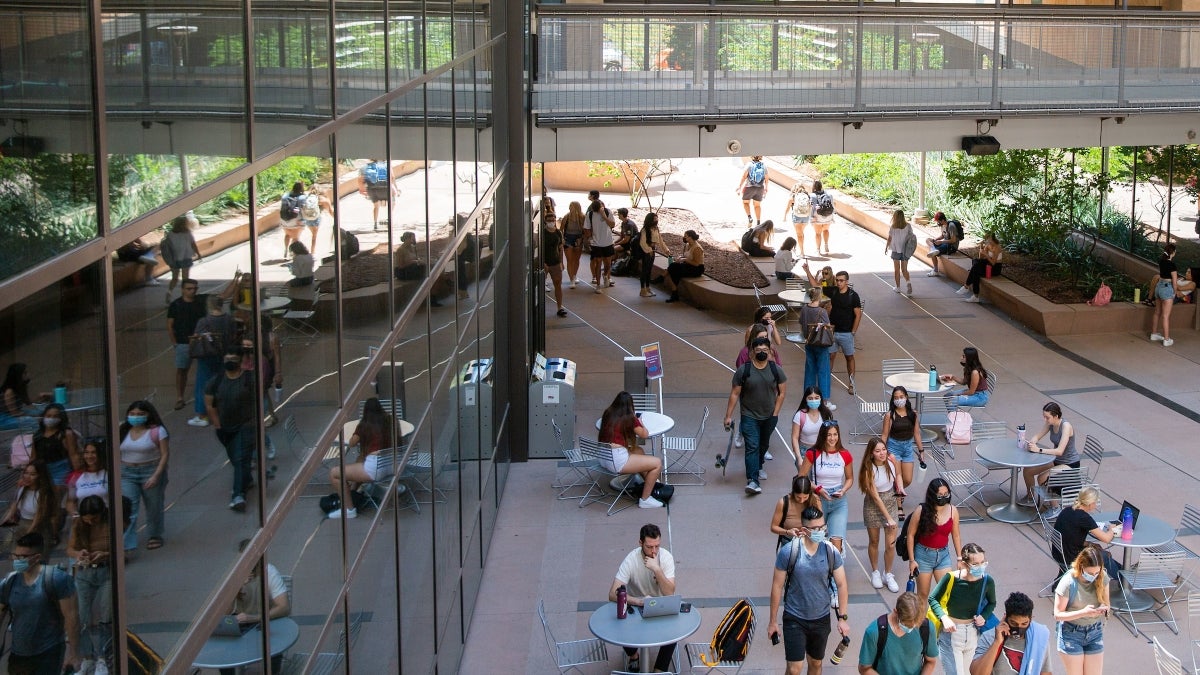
(132, 131)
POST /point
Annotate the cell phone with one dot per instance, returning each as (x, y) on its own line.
(775, 638)
(685, 607)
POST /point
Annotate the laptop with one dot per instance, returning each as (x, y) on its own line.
(229, 627)
(1133, 509)
(664, 606)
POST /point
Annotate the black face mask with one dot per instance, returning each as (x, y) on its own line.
(247, 350)
(761, 356)
(1015, 632)
(941, 501)
(232, 366)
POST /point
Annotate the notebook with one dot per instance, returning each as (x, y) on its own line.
(1133, 509)
(229, 627)
(664, 606)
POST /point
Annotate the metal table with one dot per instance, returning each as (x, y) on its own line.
(236, 652)
(1150, 531)
(917, 384)
(275, 303)
(1004, 451)
(656, 425)
(637, 631)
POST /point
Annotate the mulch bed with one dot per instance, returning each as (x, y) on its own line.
(1032, 275)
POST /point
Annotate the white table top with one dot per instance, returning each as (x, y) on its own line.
(794, 295)
(636, 631)
(1004, 451)
(915, 383)
(656, 423)
(1150, 531)
(271, 304)
(232, 652)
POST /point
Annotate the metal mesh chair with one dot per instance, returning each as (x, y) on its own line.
(870, 418)
(965, 482)
(1060, 486)
(1153, 572)
(574, 472)
(934, 411)
(1094, 453)
(328, 663)
(1054, 549)
(299, 323)
(776, 308)
(702, 650)
(1168, 664)
(1194, 627)
(684, 463)
(602, 455)
(571, 655)
(645, 403)
(895, 367)
(1189, 525)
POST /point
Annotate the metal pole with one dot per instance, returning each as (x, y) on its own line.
(1133, 200)
(1103, 195)
(1170, 186)
(921, 189)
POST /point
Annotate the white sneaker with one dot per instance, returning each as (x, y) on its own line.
(752, 488)
(197, 421)
(598, 291)
(895, 289)
(87, 667)
(608, 281)
(1167, 342)
(238, 504)
(768, 456)
(1156, 337)
(101, 668)
(572, 283)
(337, 513)
(762, 475)
(962, 290)
(876, 579)
(974, 298)
(891, 583)
(932, 273)
(831, 406)
(649, 503)
(737, 441)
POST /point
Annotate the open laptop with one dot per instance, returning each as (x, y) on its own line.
(229, 627)
(1133, 509)
(664, 606)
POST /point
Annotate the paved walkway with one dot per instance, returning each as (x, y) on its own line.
(1135, 396)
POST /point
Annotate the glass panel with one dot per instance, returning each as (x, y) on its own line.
(359, 53)
(374, 605)
(159, 61)
(308, 550)
(441, 487)
(46, 67)
(416, 580)
(291, 71)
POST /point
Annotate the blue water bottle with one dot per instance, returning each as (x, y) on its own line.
(911, 586)
(933, 378)
(1127, 524)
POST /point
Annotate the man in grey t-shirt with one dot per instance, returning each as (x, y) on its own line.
(1015, 640)
(229, 398)
(45, 619)
(806, 594)
(759, 385)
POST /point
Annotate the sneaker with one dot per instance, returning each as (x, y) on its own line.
(890, 580)
(1027, 500)
(1155, 337)
(768, 456)
(974, 298)
(598, 291)
(649, 503)
(87, 667)
(876, 579)
(932, 273)
(572, 284)
(831, 406)
(962, 290)
(1167, 342)
(198, 421)
(934, 253)
(101, 668)
(850, 387)
(909, 291)
(737, 441)
(337, 513)
(634, 664)
(608, 281)
(595, 281)
(153, 282)
(895, 289)
(762, 475)
(752, 488)
(238, 503)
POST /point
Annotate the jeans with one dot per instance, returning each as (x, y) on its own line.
(92, 588)
(957, 649)
(133, 479)
(205, 370)
(979, 398)
(837, 516)
(239, 448)
(816, 369)
(757, 434)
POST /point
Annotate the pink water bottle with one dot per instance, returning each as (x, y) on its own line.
(1127, 524)
(1020, 435)
(622, 599)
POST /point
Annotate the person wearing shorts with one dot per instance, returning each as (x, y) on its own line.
(289, 215)
(845, 313)
(804, 591)
(799, 209)
(820, 223)
(372, 434)
(597, 230)
(753, 190)
(934, 549)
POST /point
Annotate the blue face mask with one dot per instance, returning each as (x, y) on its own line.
(978, 570)
(137, 420)
(20, 564)
(905, 629)
(816, 536)
(813, 405)
(1089, 577)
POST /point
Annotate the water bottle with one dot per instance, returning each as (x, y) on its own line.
(840, 651)
(622, 598)
(933, 378)
(911, 586)
(1127, 524)
(278, 394)
(60, 393)
(1020, 435)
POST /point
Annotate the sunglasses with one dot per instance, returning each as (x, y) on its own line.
(829, 423)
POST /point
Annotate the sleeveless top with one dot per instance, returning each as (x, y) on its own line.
(883, 482)
(940, 535)
(902, 427)
(1070, 454)
(51, 449)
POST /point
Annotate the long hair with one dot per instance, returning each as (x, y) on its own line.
(574, 212)
(375, 424)
(898, 219)
(64, 423)
(100, 445)
(928, 522)
(971, 356)
(152, 417)
(823, 437)
(15, 379)
(620, 419)
(909, 407)
(823, 409)
(47, 498)
(1086, 497)
(866, 469)
(801, 485)
(755, 330)
(1090, 556)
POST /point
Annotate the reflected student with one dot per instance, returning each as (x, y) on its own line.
(247, 605)
(89, 548)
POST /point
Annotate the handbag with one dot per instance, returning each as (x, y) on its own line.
(929, 614)
(819, 335)
(663, 492)
(991, 621)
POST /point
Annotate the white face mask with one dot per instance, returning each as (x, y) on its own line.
(900, 402)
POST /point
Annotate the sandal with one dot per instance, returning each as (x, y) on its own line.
(562, 312)
(153, 543)
(635, 663)
(179, 404)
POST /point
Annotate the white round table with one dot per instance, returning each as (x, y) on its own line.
(794, 295)
(274, 303)
(1004, 451)
(917, 383)
(1150, 531)
(235, 652)
(637, 631)
(656, 424)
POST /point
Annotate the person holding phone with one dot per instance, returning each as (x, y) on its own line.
(1080, 607)
(828, 465)
(648, 571)
(1016, 639)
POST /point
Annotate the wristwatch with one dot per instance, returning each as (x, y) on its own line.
(844, 617)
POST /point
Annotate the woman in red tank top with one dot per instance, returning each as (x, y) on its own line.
(934, 544)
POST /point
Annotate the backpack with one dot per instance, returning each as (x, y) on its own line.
(1103, 296)
(310, 207)
(744, 373)
(884, 630)
(801, 204)
(731, 639)
(902, 540)
(374, 173)
(958, 429)
(795, 555)
(51, 600)
(757, 174)
(956, 230)
(289, 206)
(824, 204)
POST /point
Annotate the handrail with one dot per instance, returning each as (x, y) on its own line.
(848, 10)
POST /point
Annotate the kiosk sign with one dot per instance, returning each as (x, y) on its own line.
(654, 366)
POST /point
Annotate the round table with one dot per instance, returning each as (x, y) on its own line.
(794, 295)
(917, 383)
(636, 631)
(1004, 451)
(1150, 531)
(274, 303)
(234, 652)
(656, 424)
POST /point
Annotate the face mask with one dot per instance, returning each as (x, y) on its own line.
(137, 420)
(50, 422)
(905, 629)
(941, 500)
(1014, 631)
(978, 570)
(231, 366)
(900, 402)
(813, 405)
(20, 564)
(761, 356)
(816, 536)
(1088, 577)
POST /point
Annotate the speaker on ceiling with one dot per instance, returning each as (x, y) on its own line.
(980, 145)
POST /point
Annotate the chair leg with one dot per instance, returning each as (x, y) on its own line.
(685, 465)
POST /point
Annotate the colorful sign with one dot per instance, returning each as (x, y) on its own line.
(654, 365)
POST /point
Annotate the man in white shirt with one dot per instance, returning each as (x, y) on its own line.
(647, 572)
(598, 226)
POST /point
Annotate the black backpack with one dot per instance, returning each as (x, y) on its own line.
(744, 373)
(289, 207)
(824, 204)
(902, 539)
(956, 229)
(731, 640)
(885, 630)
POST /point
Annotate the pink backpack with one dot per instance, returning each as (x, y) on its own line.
(958, 429)
(1103, 296)
(22, 445)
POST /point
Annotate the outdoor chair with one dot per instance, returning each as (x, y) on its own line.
(776, 308)
(965, 482)
(1194, 627)
(571, 655)
(679, 455)
(934, 411)
(1153, 572)
(1059, 486)
(1055, 546)
(1167, 663)
(870, 418)
(645, 403)
(1189, 524)
(328, 663)
(894, 367)
(574, 472)
(791, 324)
(696, 650)
(298, 323)
(1094, 453)
(952, 399)
(602, 455)
(986, 431)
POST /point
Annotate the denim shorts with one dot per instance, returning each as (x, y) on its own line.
(944, 249)
(1079, 640)
(183, 356)
(837, 515)
(800, 220)
(1165, 290)
(905, 451)
(899, 256)
(932, 559)
(844, 343)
